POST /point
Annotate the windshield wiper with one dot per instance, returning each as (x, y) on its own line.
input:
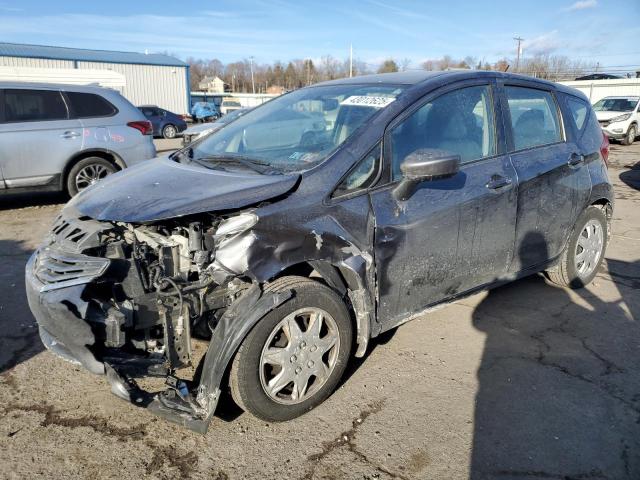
(251, 163)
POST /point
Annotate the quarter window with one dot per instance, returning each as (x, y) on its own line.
(461, 122)
(364, 174)
(32, 105)
(534, 117)
(579, 111)
(86, 105)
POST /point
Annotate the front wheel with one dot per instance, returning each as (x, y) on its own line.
(631, 135)
(294, 357)
(585, 250)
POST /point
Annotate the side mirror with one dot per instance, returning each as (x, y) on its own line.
(425, 164)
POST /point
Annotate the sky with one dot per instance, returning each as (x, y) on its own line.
(604, 31)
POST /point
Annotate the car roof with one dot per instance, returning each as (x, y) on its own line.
(56, 86)
(422, 78)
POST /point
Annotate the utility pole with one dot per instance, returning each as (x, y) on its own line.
(253, 85)
(519, 40)
(351, 60)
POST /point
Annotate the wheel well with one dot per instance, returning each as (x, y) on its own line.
(341, 281)
(110, 157)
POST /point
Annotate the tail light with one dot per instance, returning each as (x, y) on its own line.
(143, 126)
(604, 149)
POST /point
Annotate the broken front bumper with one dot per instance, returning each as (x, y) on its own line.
(58, 313)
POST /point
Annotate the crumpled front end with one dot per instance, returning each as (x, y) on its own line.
(126, 300)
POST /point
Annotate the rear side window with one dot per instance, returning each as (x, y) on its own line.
(87, 105)
(34, 105)
(579, 112)
(534, 117)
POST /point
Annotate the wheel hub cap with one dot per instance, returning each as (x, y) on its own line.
(299, 355)
(589, 248)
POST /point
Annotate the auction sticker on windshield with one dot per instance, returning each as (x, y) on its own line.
(367, 101)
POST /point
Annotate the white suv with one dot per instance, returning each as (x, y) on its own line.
(619, 117)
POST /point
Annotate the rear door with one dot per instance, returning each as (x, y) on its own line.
(455, 233)
(37, 137)
(554, 183)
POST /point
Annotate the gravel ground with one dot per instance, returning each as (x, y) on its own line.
(525, 381)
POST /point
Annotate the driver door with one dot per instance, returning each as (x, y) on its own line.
(452, 234)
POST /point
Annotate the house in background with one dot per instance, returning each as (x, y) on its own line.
(212, 85)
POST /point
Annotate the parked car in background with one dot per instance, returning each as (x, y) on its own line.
(67, 137)
(195, 132)
(229, 105)
(619, 117)
(204, 112)
(288, 249)
(166, 124)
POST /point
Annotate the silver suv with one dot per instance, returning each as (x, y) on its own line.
(67, 137)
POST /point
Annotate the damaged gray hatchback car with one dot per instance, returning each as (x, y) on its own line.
(293, 236)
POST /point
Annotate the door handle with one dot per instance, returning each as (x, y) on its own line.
(498, 181)
(70, 134)
(575, 159)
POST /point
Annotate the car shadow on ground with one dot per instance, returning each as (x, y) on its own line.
(631, 177)
(11, 201)
(559, 385)
(19, 339)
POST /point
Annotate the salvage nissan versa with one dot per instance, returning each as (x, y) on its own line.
(289, 248)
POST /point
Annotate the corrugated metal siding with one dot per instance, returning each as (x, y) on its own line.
(72, 54)
(34, 62)
(150, 84)
(597, 89)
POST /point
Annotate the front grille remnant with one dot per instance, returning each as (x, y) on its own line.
(56, 269)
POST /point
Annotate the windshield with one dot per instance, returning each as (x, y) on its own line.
(299, 130)
(616, 104)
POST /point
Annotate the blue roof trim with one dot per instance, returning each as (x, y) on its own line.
(83, 55)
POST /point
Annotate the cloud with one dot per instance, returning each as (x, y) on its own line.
(542, 44)
(4, 8)
(582, 5)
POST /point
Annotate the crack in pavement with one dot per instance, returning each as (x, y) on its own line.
(162, 455)
(346, 439)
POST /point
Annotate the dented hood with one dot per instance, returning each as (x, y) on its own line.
(160, 189)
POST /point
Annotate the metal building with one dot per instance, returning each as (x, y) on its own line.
(149, 79)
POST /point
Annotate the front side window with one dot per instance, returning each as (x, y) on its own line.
(534, 117)
(86, 105)
(296, 131)
(460, 122)
(33, 105)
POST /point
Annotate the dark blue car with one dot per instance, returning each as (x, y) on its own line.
(165, 123)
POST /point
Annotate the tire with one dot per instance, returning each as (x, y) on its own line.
(169, 131)
(570, 271)
(631, 135)
(87, 172)
(249, 374)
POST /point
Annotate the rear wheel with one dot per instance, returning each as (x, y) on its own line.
(87, 172)
(631, 135)
(584, 253)
(169, 131)
(294, 357)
